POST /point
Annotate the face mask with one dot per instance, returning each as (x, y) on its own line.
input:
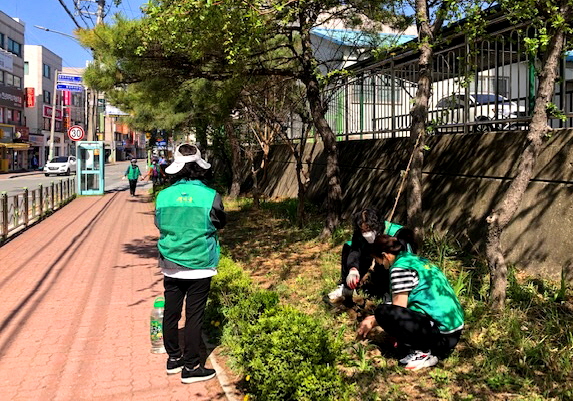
(369, 236)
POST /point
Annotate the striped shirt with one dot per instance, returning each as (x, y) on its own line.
(403, 280)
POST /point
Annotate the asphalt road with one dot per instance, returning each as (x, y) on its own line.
(15, 183)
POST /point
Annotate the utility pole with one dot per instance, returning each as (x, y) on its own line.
(83, 7)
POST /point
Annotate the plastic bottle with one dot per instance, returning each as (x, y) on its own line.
(156, 326)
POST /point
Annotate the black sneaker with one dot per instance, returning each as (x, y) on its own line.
(196, 375)
(174, 365)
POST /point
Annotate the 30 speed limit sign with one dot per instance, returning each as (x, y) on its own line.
(76, 133)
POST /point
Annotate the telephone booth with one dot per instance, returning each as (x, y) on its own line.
(90, 168)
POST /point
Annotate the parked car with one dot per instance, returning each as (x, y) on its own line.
(60, 165)
(482, 108)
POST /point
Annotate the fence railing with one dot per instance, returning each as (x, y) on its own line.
(19, 211)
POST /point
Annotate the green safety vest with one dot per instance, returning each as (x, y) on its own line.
(391, 228)
(133, 173)
(433, 295)
(187, 235)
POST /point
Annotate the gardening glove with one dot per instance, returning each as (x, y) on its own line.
(353, 278)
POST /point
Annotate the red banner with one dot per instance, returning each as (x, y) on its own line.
(30, 97)
(67, 98)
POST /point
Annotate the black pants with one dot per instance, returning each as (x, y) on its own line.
(132, 185)
(416, 330)
(196, 293)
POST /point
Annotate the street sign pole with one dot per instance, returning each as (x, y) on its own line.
(53, 120)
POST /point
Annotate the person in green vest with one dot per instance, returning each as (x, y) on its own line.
(357, 269)
(132, 174)
(188, 214)
(425, 316)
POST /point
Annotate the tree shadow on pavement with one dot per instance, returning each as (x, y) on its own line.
(145, 247)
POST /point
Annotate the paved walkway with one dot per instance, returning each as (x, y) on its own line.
(76, 293)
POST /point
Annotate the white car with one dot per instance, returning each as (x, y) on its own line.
(60, 165)
(482, 107)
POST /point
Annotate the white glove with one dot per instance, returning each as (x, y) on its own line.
(353, 278)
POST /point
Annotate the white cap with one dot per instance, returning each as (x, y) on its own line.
(180, 160)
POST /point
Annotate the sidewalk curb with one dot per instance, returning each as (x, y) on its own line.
(222, 377)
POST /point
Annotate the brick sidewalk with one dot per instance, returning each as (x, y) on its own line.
(77, 290)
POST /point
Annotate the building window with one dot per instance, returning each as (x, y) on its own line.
(9, 79)
(26, 68)
(18, 82)
(2, 40)
(14, 47)
(47, 97)
(1, 76)
(46, 71)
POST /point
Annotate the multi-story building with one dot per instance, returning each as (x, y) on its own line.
(41, 65)
(14, 134)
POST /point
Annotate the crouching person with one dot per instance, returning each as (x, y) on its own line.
(357, 267)
(188, 215)
(425, 315)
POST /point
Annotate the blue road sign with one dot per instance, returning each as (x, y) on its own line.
(161, 143)
(69, 78)
(70, 87)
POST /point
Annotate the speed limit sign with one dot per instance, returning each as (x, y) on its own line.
(76, 133)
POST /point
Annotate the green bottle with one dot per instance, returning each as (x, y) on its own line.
(156, 326)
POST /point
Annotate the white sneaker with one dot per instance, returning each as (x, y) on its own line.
(407, 358)
(341, 292)
(419, 360)
(337, 293)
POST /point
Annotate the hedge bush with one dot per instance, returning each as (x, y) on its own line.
(283, 353)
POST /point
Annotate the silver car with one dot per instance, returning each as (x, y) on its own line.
(60, 165)
(482, 108)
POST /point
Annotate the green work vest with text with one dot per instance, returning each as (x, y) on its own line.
(187, 235)
(433, 295)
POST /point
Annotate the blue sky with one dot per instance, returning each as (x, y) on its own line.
(52, 15)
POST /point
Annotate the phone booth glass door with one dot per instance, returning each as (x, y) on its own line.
(91, 168)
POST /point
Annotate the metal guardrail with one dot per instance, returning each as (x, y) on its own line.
(19, 211)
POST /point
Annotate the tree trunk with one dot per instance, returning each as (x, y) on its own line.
(254, 175)
(235, 158)
(317, 112)
(419, 113)
(507, 206)
(303, 180)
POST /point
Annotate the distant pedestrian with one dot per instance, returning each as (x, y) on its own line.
(132, 174)
(155, 174)
(188, 215)
(35, 163)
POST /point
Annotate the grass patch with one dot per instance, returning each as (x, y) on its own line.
(523, 353)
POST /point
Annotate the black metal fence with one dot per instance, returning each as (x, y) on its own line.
(477, 86)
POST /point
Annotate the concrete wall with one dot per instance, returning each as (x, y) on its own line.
(463, 177)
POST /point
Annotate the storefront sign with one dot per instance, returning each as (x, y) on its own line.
(37, 140)
(6, 133)
(11, 97)
(6, 63)
(30, 97)
(48, 113)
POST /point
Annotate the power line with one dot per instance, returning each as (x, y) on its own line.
(69, 13)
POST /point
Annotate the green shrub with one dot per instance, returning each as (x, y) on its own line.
(289, 355)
